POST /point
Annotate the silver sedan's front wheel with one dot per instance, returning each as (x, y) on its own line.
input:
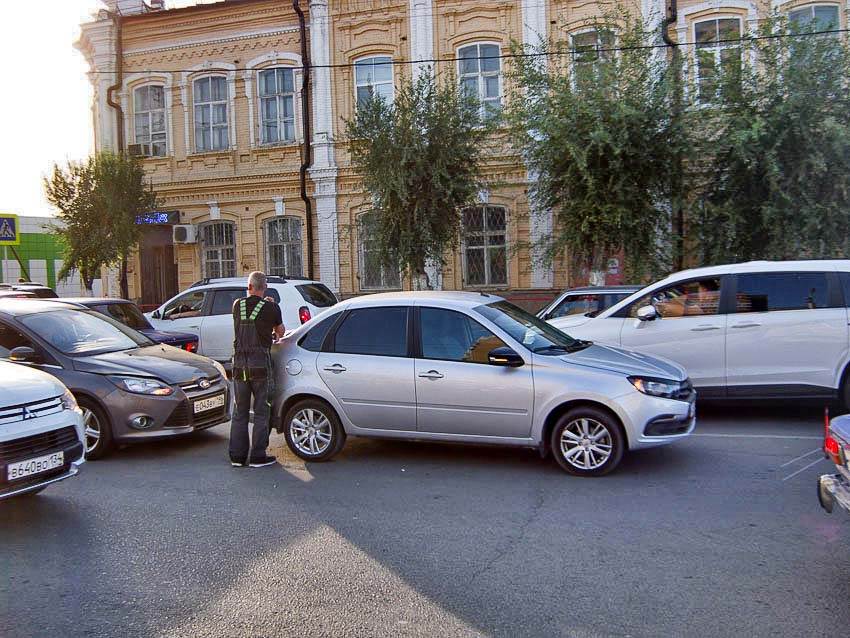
(313, 431)
(588, 442)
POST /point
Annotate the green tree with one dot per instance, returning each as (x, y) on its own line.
(419, 157)
(780, 181)
(98, 201)
(597, 128)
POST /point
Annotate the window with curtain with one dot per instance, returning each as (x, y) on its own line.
(479, 70)
(374, 273)
(149, 118)
(374, 76)
(218, 249)
(210, 100)
(718, 56)
(592, 55)
(485, 254)
(283, 247)
(277, 106)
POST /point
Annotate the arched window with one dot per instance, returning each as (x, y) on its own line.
(815, 16)
(218, 249)
(374, 274)
(210, 100)
(591, 53)
(277, 105)
(283, 247)
(485, 254)
(149, 120)
(374, 76)
(718, 56)
(480, 72)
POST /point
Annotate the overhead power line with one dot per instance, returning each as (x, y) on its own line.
(503, 56)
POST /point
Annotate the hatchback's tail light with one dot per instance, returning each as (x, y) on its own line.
(830, 446)
(304, 314)
(192, 346)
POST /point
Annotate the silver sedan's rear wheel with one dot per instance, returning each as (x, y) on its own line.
(313, 431)
(587, 442)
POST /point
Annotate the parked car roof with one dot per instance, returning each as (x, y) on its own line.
(19, 307)
(460, 299)
(93, 301)
(763, 266)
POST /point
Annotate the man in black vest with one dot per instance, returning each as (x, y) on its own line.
(255, 320)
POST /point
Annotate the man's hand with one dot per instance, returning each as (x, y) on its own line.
(269, 299)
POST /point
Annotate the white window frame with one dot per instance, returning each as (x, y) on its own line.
(210, 104)
(814, 5)
(482, 75)
(390, 82)
(486, 233)
(149, 113)
(206, 248)
(280, 96)
(718, 49)
(595, 63)
(287, 267)
(361, 252)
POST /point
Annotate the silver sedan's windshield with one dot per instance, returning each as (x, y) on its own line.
(532, 332)
(82, 332)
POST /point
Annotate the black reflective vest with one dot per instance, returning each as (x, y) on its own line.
(250, 359)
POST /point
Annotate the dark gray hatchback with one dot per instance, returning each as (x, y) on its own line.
(129, 387)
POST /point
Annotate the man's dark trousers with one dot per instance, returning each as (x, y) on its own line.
(243, 390)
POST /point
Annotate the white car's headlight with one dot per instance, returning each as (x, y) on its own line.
(657, 387)
(138, 385)
(69, 402)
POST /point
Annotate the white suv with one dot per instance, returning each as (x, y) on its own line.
(205, 309)
(762, 330)
(41, 431)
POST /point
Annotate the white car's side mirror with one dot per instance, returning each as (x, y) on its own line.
(647, 313)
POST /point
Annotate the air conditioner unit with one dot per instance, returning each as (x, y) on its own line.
(139, 150)
(184, 234)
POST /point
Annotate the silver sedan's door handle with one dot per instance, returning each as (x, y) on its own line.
(704, 328)
(336, 368)
(431, 374)
(748, 324)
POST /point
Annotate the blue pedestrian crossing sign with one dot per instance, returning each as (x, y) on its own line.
(9, 234)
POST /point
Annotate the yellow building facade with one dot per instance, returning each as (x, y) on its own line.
(211, 97)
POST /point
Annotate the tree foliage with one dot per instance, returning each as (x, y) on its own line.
(779, 187)
(419, 158)
(599, 130)
(98, 201)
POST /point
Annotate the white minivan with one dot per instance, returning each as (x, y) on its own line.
(760, 330)
(41, 431)
(205, 309)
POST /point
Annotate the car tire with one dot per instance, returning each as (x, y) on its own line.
(97, 429)
(587, 441)
(844, 392)
(313, 431)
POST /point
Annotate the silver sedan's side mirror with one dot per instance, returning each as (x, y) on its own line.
(647, 313)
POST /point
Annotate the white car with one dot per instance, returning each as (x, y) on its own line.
(41, 431)
(205, 309)
(761, 330)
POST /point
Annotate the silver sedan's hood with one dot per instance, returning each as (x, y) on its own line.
(628, 362)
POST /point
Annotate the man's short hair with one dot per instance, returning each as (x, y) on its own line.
(257, 280)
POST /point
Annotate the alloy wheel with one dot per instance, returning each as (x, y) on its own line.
(91, 424)
(310, 431)
(586, 443)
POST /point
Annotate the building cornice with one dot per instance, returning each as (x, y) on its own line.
(187, 44)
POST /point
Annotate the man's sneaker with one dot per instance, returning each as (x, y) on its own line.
(235, 463)
(263, 462)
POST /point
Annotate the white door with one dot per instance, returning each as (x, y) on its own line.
(217, 331)
(369, 371)
(690, 330)
(784, 334)
(458, 391)
(184, 313)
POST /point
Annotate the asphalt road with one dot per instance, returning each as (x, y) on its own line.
(718, 535)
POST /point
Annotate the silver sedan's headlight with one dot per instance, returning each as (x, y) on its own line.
(138, 385)
(69, 402)
(665, 388)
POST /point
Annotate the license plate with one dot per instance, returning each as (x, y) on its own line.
(35, 466)
(202, 405)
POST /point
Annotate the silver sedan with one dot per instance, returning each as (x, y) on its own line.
(472, 368)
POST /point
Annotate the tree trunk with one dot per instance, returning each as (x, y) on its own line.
(125, 288)
(421, 281)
